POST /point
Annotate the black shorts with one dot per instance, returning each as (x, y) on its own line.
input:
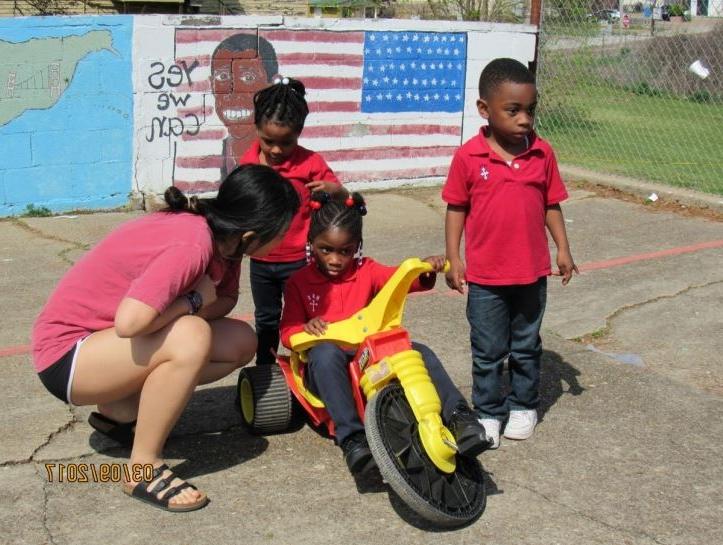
(57, 377)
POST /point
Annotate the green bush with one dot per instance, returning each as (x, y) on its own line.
(33, 211)
(676, 10)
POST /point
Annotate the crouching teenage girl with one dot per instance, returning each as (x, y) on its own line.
(138, 322)
(336, 283)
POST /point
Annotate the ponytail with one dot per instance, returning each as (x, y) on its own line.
(253, 198)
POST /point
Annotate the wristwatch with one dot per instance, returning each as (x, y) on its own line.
(195, 301)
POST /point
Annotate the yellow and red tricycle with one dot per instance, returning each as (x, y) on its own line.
(395, 397)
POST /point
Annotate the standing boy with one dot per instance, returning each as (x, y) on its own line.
(503, 189)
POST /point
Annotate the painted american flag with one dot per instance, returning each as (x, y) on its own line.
(384, 105)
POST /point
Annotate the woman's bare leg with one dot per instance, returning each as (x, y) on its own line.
(164, 367)
(234, 345)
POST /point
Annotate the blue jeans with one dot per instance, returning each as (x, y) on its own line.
(267, 286)
(328, 378)
(505, 322)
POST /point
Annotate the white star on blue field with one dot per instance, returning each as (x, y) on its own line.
(414, 72)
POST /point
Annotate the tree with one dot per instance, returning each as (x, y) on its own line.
(51, 7)
(477, 10)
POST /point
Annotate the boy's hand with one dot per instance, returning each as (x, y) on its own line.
(315, 327)
(566, 266)
(318, 185)
(455, 276)
(207, 289)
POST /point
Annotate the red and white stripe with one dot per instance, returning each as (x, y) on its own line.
(360, 147)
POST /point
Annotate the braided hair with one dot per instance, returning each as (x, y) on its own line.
(253, 198)
(338, 210)
(282, 103)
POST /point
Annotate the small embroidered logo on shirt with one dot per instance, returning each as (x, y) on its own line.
(313, 300)
(484, 173)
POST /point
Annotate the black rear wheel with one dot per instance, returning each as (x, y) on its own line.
(444, 499)
(267, 405)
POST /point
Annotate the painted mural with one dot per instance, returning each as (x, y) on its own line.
(93, 109)
(376, 99)
(387, 106)
(65, 113)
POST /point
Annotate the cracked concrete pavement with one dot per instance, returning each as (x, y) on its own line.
(624, 454)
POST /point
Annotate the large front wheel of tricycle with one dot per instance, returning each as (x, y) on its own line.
(443, 499)
(267, 405)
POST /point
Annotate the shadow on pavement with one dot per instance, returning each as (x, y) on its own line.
(208, 437)
(558, 377)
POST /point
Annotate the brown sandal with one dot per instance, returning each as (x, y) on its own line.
(141, 492)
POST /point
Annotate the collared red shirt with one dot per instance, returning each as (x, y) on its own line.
(302, 167)
(504, 230)
(310, 293)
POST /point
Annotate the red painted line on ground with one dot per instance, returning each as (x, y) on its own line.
(618, 261)
(15, 350)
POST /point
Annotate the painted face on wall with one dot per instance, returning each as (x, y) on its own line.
(235, 77)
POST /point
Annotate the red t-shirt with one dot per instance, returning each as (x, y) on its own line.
(504, 230)
(302, 167)
(153, 259)
(310, 293)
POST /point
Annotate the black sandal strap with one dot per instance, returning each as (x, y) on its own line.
(157, 472)
(161, 485)
(141, 489)
(176, 490)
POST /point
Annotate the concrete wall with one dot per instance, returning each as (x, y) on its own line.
(66, 112)
(94, 109)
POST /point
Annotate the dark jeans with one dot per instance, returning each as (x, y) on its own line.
(505, 321)
(267, 288)
(328, 377)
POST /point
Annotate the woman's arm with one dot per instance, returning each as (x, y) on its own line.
(219, 308)
(135, 318)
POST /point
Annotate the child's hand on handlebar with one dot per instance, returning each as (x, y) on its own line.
(315, 326)
(319, 185)
(436, 261)
(428, 279)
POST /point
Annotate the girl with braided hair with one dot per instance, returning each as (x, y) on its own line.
(140, 320)
(336, 283)
(280, 111)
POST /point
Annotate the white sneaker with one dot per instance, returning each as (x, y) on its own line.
(521, 424)
(492, 429)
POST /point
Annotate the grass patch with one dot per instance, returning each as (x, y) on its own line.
(637, 132)
(635, 110)
(32, 211)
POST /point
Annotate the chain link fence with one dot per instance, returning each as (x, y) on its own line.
(633, 94)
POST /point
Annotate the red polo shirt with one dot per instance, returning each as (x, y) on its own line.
(504, 230)
(302, 166)
(310, 293)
